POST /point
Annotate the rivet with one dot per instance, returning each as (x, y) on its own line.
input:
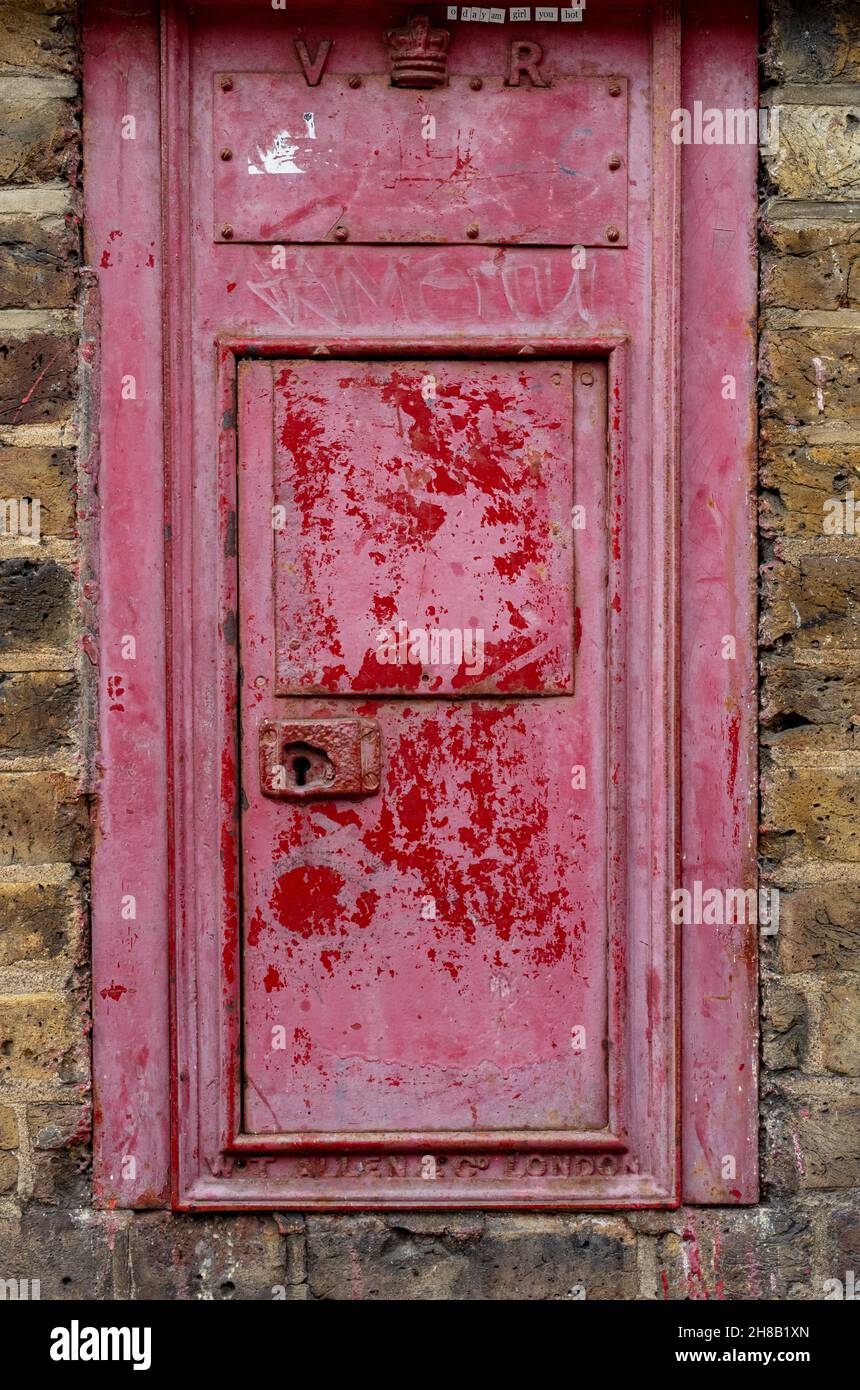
(476, 83)
(226, 153)
(615, 89)
(227, 231)
(341, 233)
(355, 80)
(226, 84)
(294, 644)
(615, 161)
(473, 230)
(586, 378)
(612, 234)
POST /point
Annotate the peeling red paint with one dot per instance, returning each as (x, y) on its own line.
(115, 690)
(114, 992)
(733, 730)
(444, 496)
(306, 900)
(230, 869)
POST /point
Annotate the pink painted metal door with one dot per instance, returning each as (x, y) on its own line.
(442, 597)
(427, 954)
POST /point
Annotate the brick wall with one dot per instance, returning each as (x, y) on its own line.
(807, 1228)
(44, 822)
(810, 610)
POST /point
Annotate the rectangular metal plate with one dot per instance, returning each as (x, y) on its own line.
(524, 165)
(423, 537)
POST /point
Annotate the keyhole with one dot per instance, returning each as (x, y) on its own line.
(308, 768)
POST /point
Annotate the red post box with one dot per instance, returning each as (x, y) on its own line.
(429, 513)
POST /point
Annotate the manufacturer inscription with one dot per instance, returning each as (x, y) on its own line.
(459, 1167)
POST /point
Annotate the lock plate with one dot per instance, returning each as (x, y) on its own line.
(301, 759)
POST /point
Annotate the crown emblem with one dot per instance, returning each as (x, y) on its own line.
(418, 55)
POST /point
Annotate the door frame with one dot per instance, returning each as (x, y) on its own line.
(147, 970)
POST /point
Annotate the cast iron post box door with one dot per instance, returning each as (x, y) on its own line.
(425, 953)
(425, 655)
(432, 827)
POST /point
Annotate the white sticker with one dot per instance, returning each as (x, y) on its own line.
(452, 11)
(278, 159)
(572, 16)
(521, 12)
(497, 16)
(546, 14)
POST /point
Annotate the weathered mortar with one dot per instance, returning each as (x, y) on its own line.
(807, 1228)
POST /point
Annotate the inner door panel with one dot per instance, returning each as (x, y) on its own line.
(429, 959)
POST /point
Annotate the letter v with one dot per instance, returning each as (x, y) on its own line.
(313, 69)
